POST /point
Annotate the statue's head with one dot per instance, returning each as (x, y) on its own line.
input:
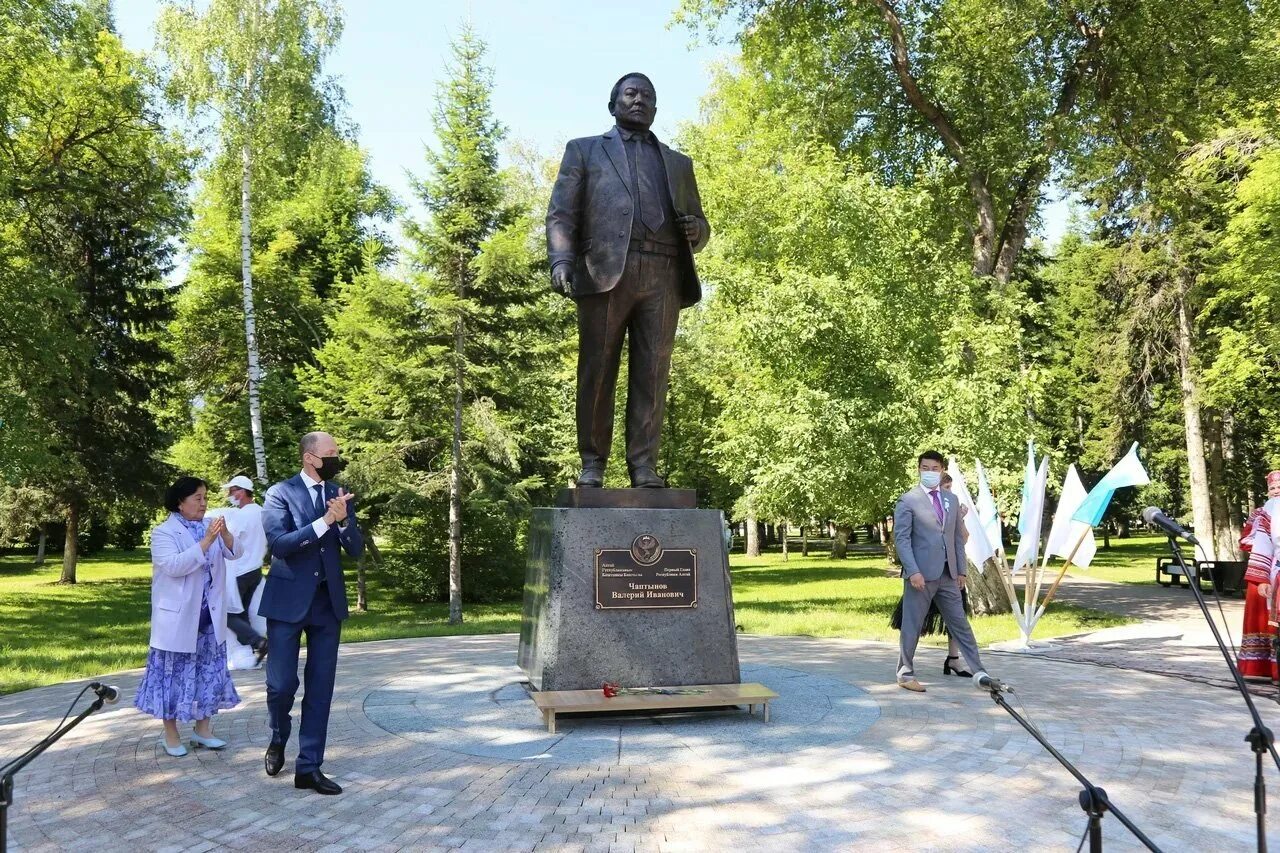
(633, 102)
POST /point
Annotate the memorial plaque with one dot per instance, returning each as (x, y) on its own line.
(646, 575)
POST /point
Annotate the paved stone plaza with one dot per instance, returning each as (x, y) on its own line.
(439, 748)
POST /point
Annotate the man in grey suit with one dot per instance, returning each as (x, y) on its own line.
(928, 534)
(622, 226)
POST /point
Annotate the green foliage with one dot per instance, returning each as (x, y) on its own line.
(837, 341)
(384, 380)
(91, 197)
(493, 555)
(979, 101)
(256, 68)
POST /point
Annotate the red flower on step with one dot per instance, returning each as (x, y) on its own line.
(610, 690)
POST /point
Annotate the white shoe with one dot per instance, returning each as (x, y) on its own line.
(176, 751)
(207, 742)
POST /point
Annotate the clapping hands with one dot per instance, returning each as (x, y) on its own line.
(216, 528)
(337, 512)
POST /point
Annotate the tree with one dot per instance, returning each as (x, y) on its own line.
(463, 194)
(984, 99)
(827, 372)
(449, 378)
(92, 196)
(253, 63)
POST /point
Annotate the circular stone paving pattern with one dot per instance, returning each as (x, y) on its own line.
(488, 715)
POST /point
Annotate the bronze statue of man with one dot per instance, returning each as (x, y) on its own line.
(623, 224)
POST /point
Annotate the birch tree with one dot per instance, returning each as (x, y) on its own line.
(247, 62)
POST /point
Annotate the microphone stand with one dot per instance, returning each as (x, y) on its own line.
(11, 769)
(1093, 800)
(1260, 738)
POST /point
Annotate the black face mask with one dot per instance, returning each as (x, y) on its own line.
(330, 467)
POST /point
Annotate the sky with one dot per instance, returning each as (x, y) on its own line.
(554, 62)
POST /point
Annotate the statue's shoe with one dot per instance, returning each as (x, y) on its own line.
(647, 478)
(591, 477)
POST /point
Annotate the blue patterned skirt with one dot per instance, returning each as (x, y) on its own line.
(188, 686)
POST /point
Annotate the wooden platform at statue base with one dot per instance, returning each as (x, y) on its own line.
(552, 702)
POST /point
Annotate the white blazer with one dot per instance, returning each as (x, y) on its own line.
(177, 577)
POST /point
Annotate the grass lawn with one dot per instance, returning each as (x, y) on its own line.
(1126, 561)
(854, 598)
(51, 633)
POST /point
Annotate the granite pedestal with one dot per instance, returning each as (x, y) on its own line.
(608, 595)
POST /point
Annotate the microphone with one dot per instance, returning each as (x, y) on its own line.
(105, 692)
(1153, 515)
(986, 682)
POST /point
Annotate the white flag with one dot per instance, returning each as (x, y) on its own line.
(976, 547)
(1065, 533)
(988, 515)
(1029, 518)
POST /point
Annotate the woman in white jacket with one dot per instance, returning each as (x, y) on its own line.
(187, 678)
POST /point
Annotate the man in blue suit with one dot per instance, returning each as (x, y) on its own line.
(307, 520)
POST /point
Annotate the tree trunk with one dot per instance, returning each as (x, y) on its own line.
(40, 545)
(1201, 501)
(782, 531)
(1225, 541)
(840, 545)
(987, 593)
(804, 541)
(71, 546)
(1106, 535)
(362, 600)
(886, 537)
(1238, 504)
(250, 321)
(753, 536)
(455, 483)
(1122, 527)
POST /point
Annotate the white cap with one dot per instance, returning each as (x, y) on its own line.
(240, 482)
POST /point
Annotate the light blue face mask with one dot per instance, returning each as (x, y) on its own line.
(930, 479)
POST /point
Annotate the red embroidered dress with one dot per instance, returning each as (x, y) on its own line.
(1257, 658)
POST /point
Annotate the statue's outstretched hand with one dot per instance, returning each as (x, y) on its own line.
(562, 280)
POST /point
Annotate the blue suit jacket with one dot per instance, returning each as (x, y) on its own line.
(298, 559)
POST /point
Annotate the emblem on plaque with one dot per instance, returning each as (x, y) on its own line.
(646, 549)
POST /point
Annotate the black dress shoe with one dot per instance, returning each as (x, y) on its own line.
(316, 781)
(591, 477)
(274, 759)
(647, 478)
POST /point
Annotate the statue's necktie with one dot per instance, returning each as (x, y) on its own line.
(647, 182)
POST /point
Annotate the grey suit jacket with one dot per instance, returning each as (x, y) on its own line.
(589, 217)
(923, 544)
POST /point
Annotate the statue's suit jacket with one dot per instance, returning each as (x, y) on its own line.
(589, 218)
(923, 544)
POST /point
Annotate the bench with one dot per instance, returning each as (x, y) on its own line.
(1168, 567)
(1224, 576)
(1227, 576)
(552, 702)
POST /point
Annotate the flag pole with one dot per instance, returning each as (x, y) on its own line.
(1010, 589)
(1048, 596)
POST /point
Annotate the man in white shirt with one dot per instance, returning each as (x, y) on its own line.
(245, 573)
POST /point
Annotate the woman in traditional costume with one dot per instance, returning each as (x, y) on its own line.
(1257, 659)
